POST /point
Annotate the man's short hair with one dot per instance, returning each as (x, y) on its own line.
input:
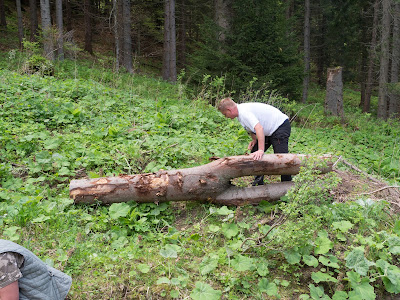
(226, 103)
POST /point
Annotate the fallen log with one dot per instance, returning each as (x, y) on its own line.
(210, 182)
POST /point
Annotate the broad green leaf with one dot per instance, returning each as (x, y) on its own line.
(62, 255)
(144, 268)
(317, 292)
(224, 211)
(319, 276)
(292, 256)
(322, 244)
(11, 233)
(235, 244)
(357, 261)
(175, 281)
(208, 265)
(266, 206)
(265, 286)
(195, 237)
(76, 112)
(52, 143)
(353, 277)
(162, 280)
(244, 225)
(342, 226)
(117, 210)
(306, 249)
(213, 228)
(93, 175)
(341, 237)
(243, 263)
(43, 157)
(170, 251)
(310, 260)
(204, 291)
(212, 210)
(159, 208)
(330, 261)
(119, 243)
(390, 287)
(64, 171)
(262, 268)
(391, 280)
(339, 295)
(230, 230)
(174, 294)
(394, 244)
(363, 290)
(285, 283)
(40, 219)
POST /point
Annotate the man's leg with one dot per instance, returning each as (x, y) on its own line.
(280, 143)
(259, 179)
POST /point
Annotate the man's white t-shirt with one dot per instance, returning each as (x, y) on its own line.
(269, 117)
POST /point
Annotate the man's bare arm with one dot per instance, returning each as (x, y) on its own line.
(10, 292)
(261, 142)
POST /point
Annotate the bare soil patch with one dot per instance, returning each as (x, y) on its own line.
(354, 186)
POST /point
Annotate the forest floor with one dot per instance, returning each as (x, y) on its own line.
(355, 185)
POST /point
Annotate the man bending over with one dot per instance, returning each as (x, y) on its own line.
(267, 126)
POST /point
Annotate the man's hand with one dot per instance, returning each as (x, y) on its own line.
(251, 144)
(257, 155)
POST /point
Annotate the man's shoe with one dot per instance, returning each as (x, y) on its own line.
(258, 180)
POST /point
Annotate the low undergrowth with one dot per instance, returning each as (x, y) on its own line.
(90, 122)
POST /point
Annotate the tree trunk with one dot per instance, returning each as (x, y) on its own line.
(182, 43)
(169, 53)
(222, 18)
(384, 61)
(127, 36)
(172, 44)
(20, 25)
(320, 49)
(120, 31)
(394, 77)
(116, 39)
(33, 19)
(3, 20)
(210, 182)
(289, 9)
(167, 41)
(334, 92)
(371, 59)
(306, 79)
(68, 17)
(88, 26)
(363, 77)
(46, 28)
(60, 29)
(363, 63)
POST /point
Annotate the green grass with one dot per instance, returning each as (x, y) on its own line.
(88, 121)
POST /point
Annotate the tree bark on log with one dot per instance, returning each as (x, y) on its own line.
(210, 182)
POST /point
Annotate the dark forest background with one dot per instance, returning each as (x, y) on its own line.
(285, 45)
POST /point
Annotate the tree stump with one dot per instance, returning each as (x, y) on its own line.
(334, 92)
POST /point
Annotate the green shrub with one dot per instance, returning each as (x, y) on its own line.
(37, 64)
